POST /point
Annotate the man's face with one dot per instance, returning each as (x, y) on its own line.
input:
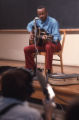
(42, 14)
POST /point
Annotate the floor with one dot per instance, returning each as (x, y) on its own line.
(67, 69)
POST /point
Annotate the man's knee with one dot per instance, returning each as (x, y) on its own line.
(25, 49)
(48, 47)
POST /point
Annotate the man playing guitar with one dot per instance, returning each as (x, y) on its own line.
(50, 25)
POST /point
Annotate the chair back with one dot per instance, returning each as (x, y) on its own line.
(63, 33)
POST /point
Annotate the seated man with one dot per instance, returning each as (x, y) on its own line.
(48, 44)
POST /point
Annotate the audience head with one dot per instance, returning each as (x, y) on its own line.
(73, 110)
(17, 83)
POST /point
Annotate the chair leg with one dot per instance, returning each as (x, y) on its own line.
(52, 69)
(61, 62)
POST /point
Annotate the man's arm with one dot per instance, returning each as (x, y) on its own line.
(55, 32)
(30, 30)
(30, 26)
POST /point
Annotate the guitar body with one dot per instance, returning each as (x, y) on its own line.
(39, 40)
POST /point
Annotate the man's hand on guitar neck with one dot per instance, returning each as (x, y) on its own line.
(44, 37)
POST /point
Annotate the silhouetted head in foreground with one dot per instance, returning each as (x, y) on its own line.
(17, 83)
(73, 110)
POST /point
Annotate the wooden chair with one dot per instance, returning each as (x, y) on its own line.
(59, 54)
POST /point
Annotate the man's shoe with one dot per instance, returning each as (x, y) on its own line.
(40, 70)
(48, 72)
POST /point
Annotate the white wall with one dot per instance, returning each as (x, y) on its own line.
(13, 43)
(71, 50)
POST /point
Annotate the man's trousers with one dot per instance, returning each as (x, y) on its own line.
(49, 48)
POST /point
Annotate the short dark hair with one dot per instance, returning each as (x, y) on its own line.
(42, 6)
(17, 83)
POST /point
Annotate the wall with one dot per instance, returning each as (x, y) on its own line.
(12, 44)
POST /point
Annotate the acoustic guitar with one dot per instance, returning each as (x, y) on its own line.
(39, 40)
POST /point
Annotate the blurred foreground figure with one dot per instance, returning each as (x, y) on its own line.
(16, 90)
(72, 112)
